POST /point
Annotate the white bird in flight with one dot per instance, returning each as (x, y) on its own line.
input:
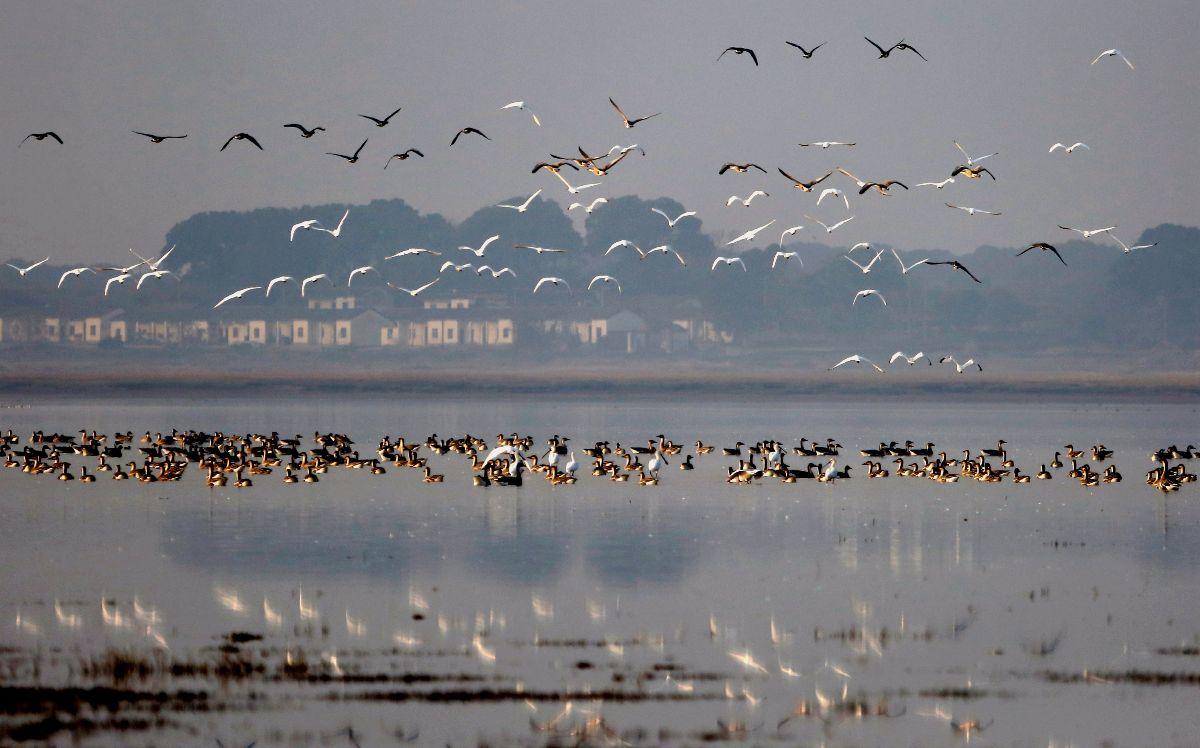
(237, 295)
(972, 161)
(746, 202)
(277, 280)
(938, 185)
(1069, 148)
(359, 271)
(830, 229)
(521, 105)
(551, 280)
(836, 193)
(1088, 233)
(589, 208)
(153, 264)
(866, 268)
(1113, 53)
(303, 225)
(749, 235)
(605, 279)
(495, 273)
(903, 269)
(785, 256)
(311, 279)
(857, 359)
(671, 222)
(119, 280)
(79, 271)
(574, 190)
(414, 291)
(825, 144)
(482, 247)
(624, 243)
(523, 206)
(336, 232)
(728, 261)
(1124, 246)
(665, 248)
(865, 293)
(413, 251)
(24, 271)
(448, 264)
(535, 248)
(151, 274)
(963, 366)
(972, 211)
(910, 360)
(790, 232)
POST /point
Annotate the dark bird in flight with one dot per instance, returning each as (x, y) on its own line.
(466, 131)
(304, 131)
(40, 136)
(808, 53)
(740, 51)
(881, 187)
(404, 156)
(804, 186)
(1045, 248)
(158, 138)
(741, 168)
(972, 172)
(381, 122)
(553, 167)
(902, 45)
(957, 266)
(242, 136)
(630, 122)
(882, 52)
(350, 159)
(600, 171)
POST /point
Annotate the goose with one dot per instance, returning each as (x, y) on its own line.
(25, 270)
(881, 187)
(963, 366)
(589, 208)
(73, 273)
(749, 235)
(482, 247)
(1043, 246)
(972, 172)
(431, 477)
(727, 261)
(672, 221)
(604, 279)
(468, 131)
(647, 480)
(910, 360)
(521, 105)
(241, 482)
(305, 132)
(826, 144)
(289, 477)
(336, 231)
(359, 271)
(352, 158)
(39, 136)
(158, 138)
(1056, 462)
(687, 463)
(808, 53)
(551, 280)
(972, 211)
(65, 475)
(866, 268)
(971, 161)
(1073, 453)
(745, 202)
(905, 268)
(413, 251)
(1044, 474)
(857, 359)
(830, 229)
(805, 186)
(938, 185)
(1127, 249)
(311, 279)
(740, 51)
(740, 168)
(523, 206)
(242, 136)
(85, 477)
(867, 292)
(1069, 148)
(237, 295)
(302, 226)
(277, 280)
(835, 192)
(956, 265)
(734, 451)
(702, 448)
(118, 279)
(629, 123)
(1088, 233)
(403, 156)
(381, 122)
(1111, 475)
(1113, 53)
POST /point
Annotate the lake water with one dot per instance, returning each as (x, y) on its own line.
(390, 610)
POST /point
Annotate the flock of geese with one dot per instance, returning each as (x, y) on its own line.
(508, 458)
(598, 164)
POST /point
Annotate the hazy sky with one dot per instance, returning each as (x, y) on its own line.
(1011, 76)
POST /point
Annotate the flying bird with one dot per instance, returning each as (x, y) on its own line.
(570, 189)
(624, 243)
(961, 367)
(589, 208)
(1043, 246)
(75, 272)
(552, 280)
(41, 136)
(523, 206)
(903, 268)
(242, 136)
(749, 235)
(857, 359)
(468, 131)
(403, 156)
(521, 105)
(158, 138)
(451, 265)
(1127, 249)
(151, 274)
(804, 186)
(311, 279)
(865, 293)
(671, 222)
(414, 291)
(237, 295)
(359, 271)
(337, 230)
(535, 248)
(910, 360)
(808, 53)
(902, 45)
(1113, 53)
(1069, 148)
(830, 229)
(307, 225)
(971, 161)
(553, 167)
(790, 232)
(728, 261)
(118, 279)
(740, 51)
(24, 271)
(665, 248)
(495, 273)
(957, 266)
(413, 251)
(866, 268)
(881, 187)
(628, 121)
(381, 122)
(740, 168)
(972, 172)
(605, 279)
(276, 281)
(972, 211)
(304, 131)
(826, 144)
(835, 192)
(746, 202)
(152, 264)
(482, 247)
(1088, 233)
(938, 185)
(780, 255)
(353, 159)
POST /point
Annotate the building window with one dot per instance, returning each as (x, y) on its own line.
(343, 332)
(92, 331)
(450, 335)
(255, 333)
(506, 333)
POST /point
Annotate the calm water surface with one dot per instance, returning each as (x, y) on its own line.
(896, 609)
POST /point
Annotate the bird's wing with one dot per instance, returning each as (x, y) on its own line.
(664, 215)
(876, 46)
(860, 267)
(753, 56)
(847, 360)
